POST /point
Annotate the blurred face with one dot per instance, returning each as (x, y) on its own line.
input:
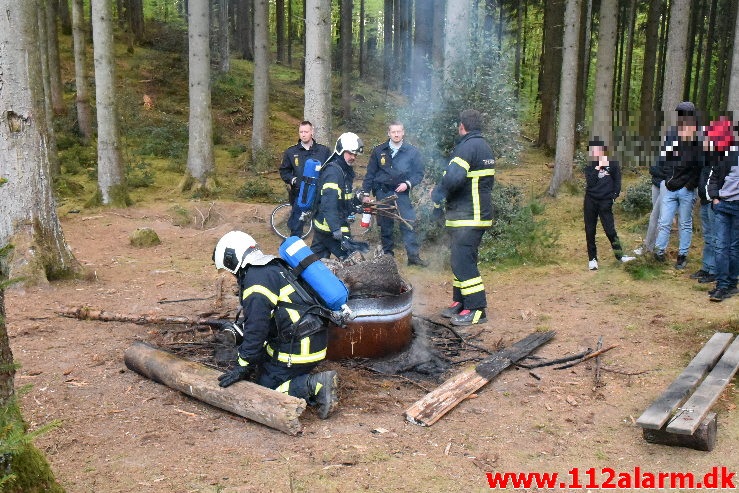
(597, 151)
(396, 133)
(686, 126)
(306, 134)
(349, 157)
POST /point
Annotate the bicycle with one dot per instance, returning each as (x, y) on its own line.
(279, 217)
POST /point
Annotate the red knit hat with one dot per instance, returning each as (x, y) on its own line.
(720, 134)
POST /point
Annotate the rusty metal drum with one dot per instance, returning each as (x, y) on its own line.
(382, 327)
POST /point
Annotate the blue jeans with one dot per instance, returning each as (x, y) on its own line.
(680, 202)
(727, 243)
(387, 224)
(709, 238)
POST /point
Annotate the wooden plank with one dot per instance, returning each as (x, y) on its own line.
(260, 404)
(707, 393)
(704, 438)
(656, 415)
(429, 409)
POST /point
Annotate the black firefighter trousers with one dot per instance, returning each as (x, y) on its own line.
(467, 286)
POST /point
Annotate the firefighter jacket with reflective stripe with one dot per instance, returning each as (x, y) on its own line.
(467, 184)
(335, 196)
(264, 289)
(386, 171)
(294, 158)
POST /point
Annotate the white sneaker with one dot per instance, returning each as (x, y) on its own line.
(626, 258)
(593, 264)
(639, 251)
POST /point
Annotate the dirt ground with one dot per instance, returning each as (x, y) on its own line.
(120, 432)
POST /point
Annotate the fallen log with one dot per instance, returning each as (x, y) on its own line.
(429, 409)
(246, 399)
(87, 313)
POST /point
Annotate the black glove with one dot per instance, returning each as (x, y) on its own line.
(438, 216)
(350, 246)
(235, 374)
(338, 235)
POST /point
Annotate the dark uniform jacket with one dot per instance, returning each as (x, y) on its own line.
(680, 162)
(293, 163)
(386, 173)
(263, 291)
(335, 196)
(723, 182)
(604, 183)
(467, 184)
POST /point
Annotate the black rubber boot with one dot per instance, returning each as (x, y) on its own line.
(324, 387)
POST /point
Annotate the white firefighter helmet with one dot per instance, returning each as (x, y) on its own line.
(349, 142)
(236, 249)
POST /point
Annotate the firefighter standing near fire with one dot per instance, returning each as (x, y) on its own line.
(279, 336)
(336, 201)
(466, 187)
(292, 166)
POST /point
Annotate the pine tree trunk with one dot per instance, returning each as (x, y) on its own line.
(567, 97)
(583, 66)
(111, 179)
(43, 48)
(244, 29)
(7, 369)
(28, 217)
(646, 99)
(64, 17)
(720, 95)
(628, 55)
(200, 161)
(677, 39)
(604, 70)
(224, 48)
(387, 46)
(437, 46)
(260, 121)
(733, 100)
(280, 31)
(456, 36)
(702, 100)
(550, 70)
(318, 68)
(421, 69)
(346, 58)
(55, 74)
(84, 120)
(362, 50)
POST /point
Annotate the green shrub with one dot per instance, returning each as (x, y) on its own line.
(638, 198)
(139, 174)
(255, 188)
(517, 236)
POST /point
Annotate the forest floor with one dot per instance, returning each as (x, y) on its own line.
(120, 432)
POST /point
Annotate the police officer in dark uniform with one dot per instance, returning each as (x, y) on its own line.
(466, 186)
(394, 168)
(291, 169)
(280, 338)
(336, 201)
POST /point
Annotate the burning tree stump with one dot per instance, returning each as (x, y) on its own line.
(252, 401)
(372, 278)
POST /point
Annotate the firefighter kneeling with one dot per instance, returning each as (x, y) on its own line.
(281, 336)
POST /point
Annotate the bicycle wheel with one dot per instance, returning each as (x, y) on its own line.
(278, 221)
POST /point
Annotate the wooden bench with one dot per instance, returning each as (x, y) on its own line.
(670, 421)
